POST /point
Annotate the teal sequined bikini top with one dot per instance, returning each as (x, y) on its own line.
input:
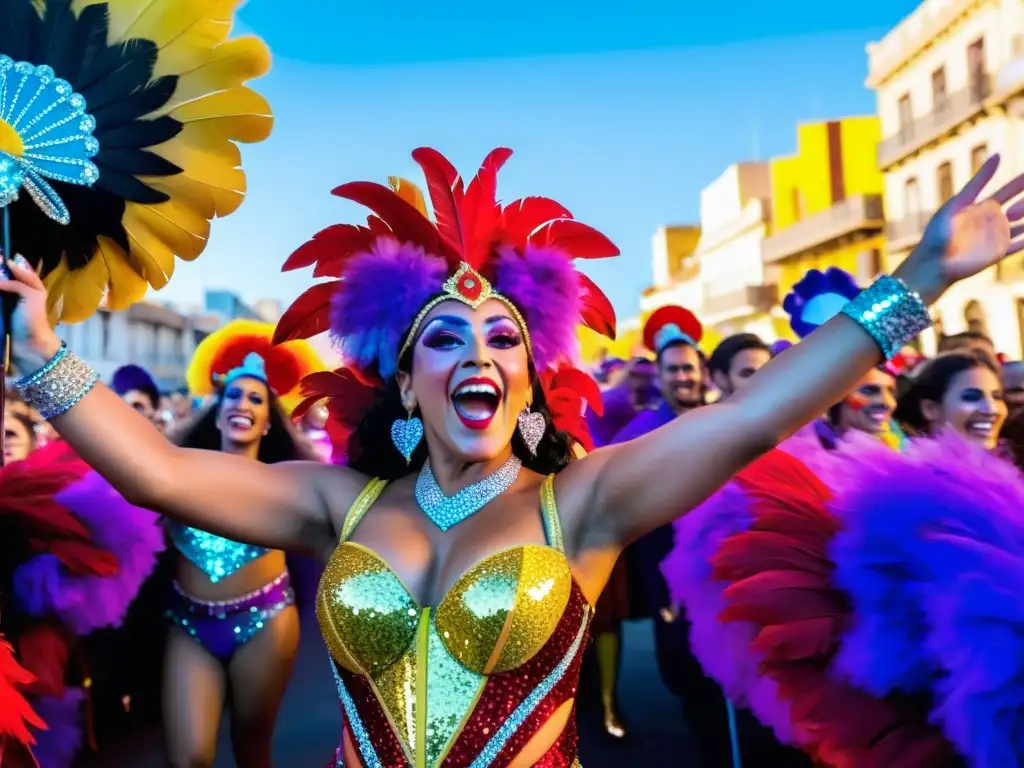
(214, 555)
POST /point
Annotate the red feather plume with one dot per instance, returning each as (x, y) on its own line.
(779, 579)
(577, 239)
(598, 314)
(521, 218)
(346, 396)
(402, 220)
(568, 391)
(309, 315)
(444, 185)
(16, 715)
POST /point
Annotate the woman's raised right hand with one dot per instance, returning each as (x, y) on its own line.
(33, 342)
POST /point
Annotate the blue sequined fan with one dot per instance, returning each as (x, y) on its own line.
(817, 298)
(45, 133)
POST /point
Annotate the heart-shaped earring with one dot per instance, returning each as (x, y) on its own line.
(531, 428)
(406, 435)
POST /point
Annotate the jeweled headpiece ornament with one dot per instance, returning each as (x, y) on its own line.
(671, 325)
(245, 349)
(393, 270)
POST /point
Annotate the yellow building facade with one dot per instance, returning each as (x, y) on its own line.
(826, 205)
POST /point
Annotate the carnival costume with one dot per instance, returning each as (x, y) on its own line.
(862, 601)
(240, 349)
(86, 553)
(448, 685)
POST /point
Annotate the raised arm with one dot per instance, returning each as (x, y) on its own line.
(643, 484)
(283, 506)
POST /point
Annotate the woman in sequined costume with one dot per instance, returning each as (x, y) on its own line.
(235, 628)
(464, 558)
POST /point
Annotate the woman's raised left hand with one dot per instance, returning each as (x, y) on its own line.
(967, 235)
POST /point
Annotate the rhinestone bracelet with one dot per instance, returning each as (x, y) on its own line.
(891, 313)
(57, 386)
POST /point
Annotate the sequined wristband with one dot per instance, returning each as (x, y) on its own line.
(891, 313)
(57, 386)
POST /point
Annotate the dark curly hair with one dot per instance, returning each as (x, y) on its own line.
(931, 381)
(281, 443)
(373, 453)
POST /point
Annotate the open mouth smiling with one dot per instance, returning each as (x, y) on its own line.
(476, 402)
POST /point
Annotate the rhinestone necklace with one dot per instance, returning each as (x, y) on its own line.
(446, 511)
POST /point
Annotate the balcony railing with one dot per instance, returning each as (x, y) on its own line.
(955, 109)
(846, 217)
(905, 232)
(750, 298)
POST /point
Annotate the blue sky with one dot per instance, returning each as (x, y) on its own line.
(622, 118)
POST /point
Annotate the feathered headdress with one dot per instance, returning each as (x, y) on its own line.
(246, 348)
(394, 269)
(817, 298)
(119, 119)
(670, 325)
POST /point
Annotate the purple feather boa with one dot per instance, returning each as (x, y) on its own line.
(385, 288)
(933, 555)
(60, 743)
(85, 603)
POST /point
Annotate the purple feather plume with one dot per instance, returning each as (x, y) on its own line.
(932, 553)
(386, 287)
(60, 743)
(44, 587)
(383, 291)
(544, 286)
(724, 649)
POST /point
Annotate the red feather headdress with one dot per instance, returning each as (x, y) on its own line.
(392, 271)
(670, 324)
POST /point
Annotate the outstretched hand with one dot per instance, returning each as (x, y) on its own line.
(33, 340)
(966, 236)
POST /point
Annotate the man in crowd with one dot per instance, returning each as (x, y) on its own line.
(735, 360)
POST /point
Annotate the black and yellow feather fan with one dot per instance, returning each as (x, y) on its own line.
(158, 100)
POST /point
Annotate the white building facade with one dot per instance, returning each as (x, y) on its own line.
(735, 216)
(157, 338)
(949, 81)
(675, 269)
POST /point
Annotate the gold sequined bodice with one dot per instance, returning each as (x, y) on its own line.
(428, 666)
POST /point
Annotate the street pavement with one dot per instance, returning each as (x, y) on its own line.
(307, 731)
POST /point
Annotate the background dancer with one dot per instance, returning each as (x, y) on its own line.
(958, 391)
(235, 629)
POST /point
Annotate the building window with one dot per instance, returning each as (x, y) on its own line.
(978, 157)
(944, 182)
(911, 199)
(939, 89)
(974, 317)
(976, 70)
(869, 265)
(906, 116)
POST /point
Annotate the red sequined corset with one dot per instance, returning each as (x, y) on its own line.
(469, 682)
